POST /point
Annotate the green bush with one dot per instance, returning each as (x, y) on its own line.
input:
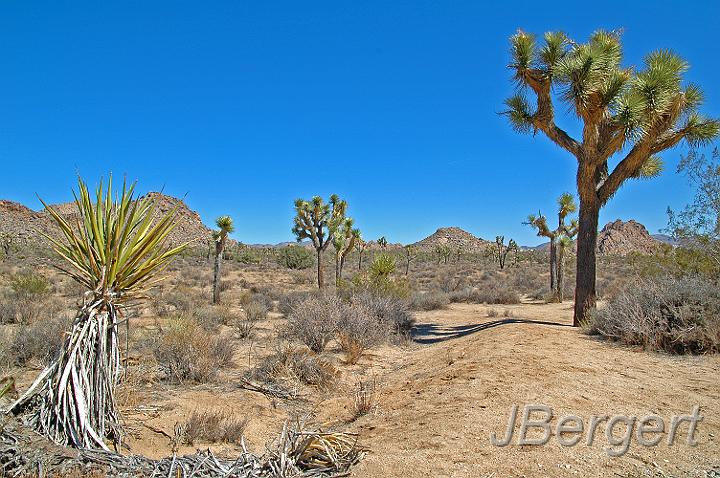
(295, 257)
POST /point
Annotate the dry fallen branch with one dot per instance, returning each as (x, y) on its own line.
(296, 453)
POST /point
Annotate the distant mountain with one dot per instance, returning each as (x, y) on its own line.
(27, 226)
(455, 238)
(619, 238)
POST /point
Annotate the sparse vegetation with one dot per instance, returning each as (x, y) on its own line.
(677, 315)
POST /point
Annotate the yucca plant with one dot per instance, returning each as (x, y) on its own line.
(115, 248)
(225, 227)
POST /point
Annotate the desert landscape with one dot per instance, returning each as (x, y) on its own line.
(422, 404)
(359, 239)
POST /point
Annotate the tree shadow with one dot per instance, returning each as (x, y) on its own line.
(434, 333)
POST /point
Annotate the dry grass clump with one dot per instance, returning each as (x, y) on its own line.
(295, 365)
(392, 314)
(185, 352)
(28, 299)
(213, 427)
(246, 322)
(676, 315)
(365, 400)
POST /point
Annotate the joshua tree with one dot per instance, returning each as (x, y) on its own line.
(628, 116)
(443, 252)
(343, 242)
(225, 227)
(360, 245)
(566, 205)
(502, 251)
(565, 241)
(319, 222)
(410, 255)
(382, 242)
(114, 250)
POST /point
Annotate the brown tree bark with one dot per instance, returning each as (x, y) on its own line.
(560, 286)
(320, 278)
(585, 294)
(219, 246)
(553, 269)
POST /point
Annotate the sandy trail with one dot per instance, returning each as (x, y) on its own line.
(438, 410)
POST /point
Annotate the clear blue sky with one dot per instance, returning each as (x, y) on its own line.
(245, 106)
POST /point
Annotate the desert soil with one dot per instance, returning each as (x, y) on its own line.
(441, 397)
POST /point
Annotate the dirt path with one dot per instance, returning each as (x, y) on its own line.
(438, 409)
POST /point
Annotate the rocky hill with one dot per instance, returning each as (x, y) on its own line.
(620, 238)
(455, 238)
(25, 225)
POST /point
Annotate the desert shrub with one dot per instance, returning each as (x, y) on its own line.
(28, 299)
(181, 300)
(315, 321)
(392, 313)
(494, 293)
(185, 352)
(29, 284)
(295, 257)
(211, 317)
(432, 300)
(247, 256)
(450, 281)
(213, 427)
(295, 364)
(676, 315)
(288, 302)
(359, 328)
(39, 340)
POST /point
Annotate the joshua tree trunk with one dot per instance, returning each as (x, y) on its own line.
(216, 271)
(553, 269)
(560, 285)
(360, 261)
(320, 278)
(342, 265)
(585, 295)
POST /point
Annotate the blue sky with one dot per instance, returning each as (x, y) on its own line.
(245, 106)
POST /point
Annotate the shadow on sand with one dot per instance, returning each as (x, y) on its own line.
(433, 333)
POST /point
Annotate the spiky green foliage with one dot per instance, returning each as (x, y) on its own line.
(319, 222)
(642, 112)
(560, 239)
(114, 247)
(225, 227)
(629, 116)
(344, 241)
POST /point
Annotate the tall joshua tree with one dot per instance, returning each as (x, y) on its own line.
(360, 246)
(225, 227)
(502, 250)
(115, 250)
(343, 243)
(410, 255)
(628, 116)
(383, 243)
(319, 222)
(566, 205)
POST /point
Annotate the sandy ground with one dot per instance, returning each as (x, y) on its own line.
(441, 398)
